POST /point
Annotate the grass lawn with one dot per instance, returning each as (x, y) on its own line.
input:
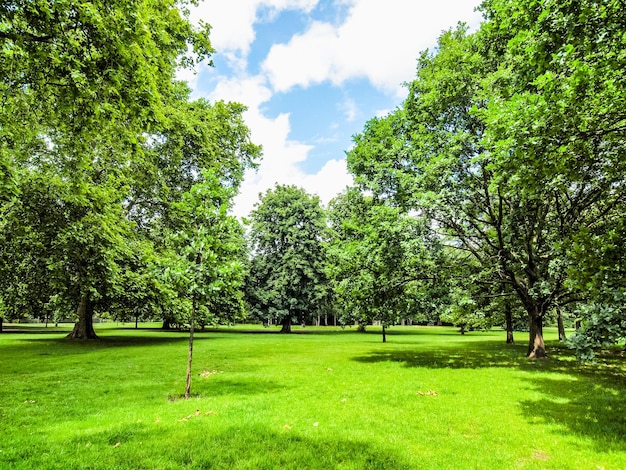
(321, 398)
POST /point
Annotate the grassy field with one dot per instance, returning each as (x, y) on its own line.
(321, 398)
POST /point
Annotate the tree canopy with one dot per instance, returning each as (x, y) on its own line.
(100, 147)
(511, 141)
(287, 280)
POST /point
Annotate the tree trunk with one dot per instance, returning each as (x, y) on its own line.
(508, 315)
(83, 329)
(190, 355)
(384, 334)
(536, 346)
(286, 322)
(136, 321)
(1, 320)
(166, 324)
(561, 326)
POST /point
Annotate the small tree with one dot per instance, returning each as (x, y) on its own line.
(207, 261)
(381, 259)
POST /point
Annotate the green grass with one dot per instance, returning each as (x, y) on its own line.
(322, 398)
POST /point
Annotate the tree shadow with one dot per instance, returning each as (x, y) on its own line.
(588, 400)
(252, 446)
(106, 341)
(458, 355)
(594, 409)
(224, 387)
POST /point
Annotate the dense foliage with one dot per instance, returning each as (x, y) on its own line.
(287, 280)
(512, 141)
(494, 195)
(100, 150)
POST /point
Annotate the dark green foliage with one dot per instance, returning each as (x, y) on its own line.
(287, 280)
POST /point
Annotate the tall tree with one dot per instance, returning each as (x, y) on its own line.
(198, 139)
(557, 131)
(483, 145)
(287, 279)
(81, 83)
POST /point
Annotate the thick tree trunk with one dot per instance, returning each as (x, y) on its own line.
(286, 322)
(384, 334)
(83, 329)
(508, 315)
(166, 324)
(561, 326)
(536, 346)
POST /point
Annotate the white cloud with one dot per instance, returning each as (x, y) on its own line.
(349, 109)
(281, 164)
(379, 41)
(282, 155)
(233, 22)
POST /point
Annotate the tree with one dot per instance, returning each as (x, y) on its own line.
(478, 148)
(60, 242)
(287, 280)
(199, 139)
(556, 131)
(208, 247)
(80, 85)
(381, 259)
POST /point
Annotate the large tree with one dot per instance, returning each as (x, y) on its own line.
(81, 83)
(287, 279)
(518, 167)
(557, 130)
(199, 140)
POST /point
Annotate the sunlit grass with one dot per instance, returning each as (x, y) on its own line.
(321, 398)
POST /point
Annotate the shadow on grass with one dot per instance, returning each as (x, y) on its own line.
(208, 389)
(194, 444)
(110, 341)
(458, 355)
(587, 400)
(591, 408)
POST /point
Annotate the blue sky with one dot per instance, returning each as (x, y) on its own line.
(311, 73)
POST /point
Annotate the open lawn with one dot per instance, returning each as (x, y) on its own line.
(321, 398)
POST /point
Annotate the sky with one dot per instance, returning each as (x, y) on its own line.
(312, 73)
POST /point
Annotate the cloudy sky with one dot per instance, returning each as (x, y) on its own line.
(311, 73)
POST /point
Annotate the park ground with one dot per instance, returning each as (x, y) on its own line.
(321, 398)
